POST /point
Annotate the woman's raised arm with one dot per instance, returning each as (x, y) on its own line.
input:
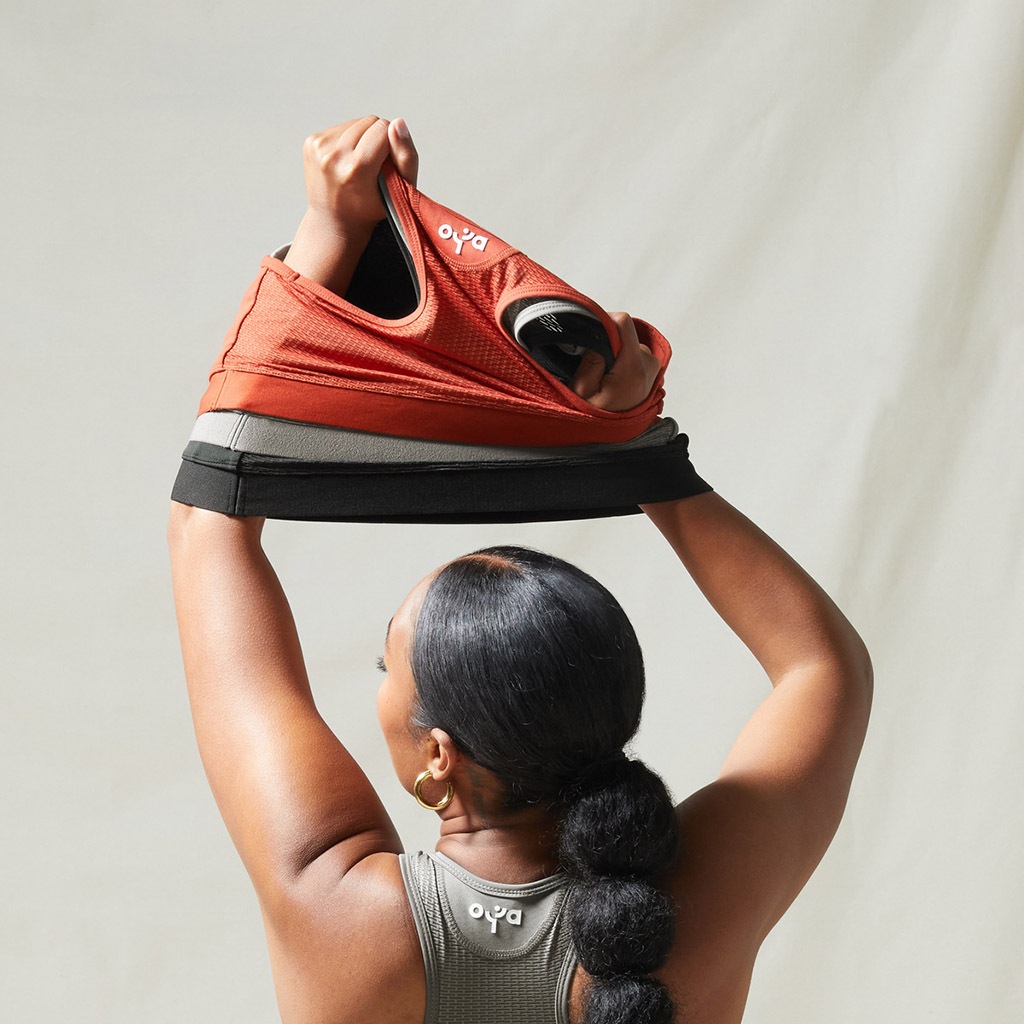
(286, 787)
(288, 790)
(753, 837)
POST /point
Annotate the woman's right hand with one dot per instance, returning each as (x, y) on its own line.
(341, 167)
(343, 199)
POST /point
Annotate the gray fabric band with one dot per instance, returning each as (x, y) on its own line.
(288, 439)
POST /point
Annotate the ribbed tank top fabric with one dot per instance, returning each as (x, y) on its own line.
(493, 953)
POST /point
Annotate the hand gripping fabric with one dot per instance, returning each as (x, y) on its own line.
(436, 391)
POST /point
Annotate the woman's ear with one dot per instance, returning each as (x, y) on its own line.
(443, 754)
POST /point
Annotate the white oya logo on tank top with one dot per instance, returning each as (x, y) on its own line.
(459, 239)
(512, 915)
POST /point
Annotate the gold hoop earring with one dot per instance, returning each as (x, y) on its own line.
(442, 803)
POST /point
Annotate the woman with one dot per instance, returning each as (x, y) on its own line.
(559, 890)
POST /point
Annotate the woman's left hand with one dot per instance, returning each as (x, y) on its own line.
(630, 379)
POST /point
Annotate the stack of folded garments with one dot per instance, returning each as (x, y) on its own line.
(435, 391)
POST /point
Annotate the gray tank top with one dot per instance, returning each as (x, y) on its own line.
(493, 953)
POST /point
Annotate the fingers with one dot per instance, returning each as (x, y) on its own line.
(586, 382)
(630, 379)
(331, 139)
(628, 362)
(635, 359)
(403, 150)
(362, 142)
(370, 140)
(627, 332)
(373, 147)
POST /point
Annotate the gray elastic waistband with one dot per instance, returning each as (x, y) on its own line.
(288, 439)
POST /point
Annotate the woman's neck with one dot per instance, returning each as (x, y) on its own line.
(519, 846)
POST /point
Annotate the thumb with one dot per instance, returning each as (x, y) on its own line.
(403, 150)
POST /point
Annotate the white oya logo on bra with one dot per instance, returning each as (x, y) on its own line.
(479, 242)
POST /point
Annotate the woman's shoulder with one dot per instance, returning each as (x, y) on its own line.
(348, 945)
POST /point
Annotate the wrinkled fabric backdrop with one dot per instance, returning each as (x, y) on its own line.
(819, 204)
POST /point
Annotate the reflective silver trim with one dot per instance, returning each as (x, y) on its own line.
(549, 307)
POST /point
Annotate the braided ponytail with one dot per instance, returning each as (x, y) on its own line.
(618, 831)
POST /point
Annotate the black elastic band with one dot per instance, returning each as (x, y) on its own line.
(243, 484)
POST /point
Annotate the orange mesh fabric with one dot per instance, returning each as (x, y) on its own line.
(447, 372)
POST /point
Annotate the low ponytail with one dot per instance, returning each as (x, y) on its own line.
(534, 670)
(617, 833)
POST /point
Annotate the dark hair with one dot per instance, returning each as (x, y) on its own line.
(535, 672)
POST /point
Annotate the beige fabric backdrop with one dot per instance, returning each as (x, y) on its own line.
(819, 203)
